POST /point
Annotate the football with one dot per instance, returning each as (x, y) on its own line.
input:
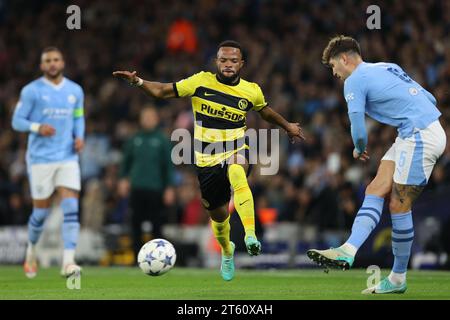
(157, 257)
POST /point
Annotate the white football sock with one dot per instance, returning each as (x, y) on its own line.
(68, 256)
(31, 252)
(397, 278)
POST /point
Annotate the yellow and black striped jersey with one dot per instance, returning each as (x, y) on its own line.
(220, 112)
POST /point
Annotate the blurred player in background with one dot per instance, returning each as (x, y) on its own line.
(50, 109)
(387, 94)
(220, 102)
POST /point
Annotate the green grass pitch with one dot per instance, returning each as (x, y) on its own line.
(204, 284)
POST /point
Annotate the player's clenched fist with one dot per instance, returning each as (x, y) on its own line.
(46, 130)
(361, 156)
(78, 145)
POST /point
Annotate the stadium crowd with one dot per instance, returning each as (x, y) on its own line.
(319, 183)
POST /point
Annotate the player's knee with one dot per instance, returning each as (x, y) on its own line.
(396, 206)
(67, 193)
(218, 215)
(42, 204)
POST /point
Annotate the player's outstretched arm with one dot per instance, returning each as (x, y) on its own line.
(154, 89)
(293, 130)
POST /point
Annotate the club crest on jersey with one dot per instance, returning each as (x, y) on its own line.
(71, 98)
(242, 104)
(413, 91)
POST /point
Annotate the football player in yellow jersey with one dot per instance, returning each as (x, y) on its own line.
(220, 102)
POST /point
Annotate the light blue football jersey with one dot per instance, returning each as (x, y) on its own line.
(60, 106)
(387, 94)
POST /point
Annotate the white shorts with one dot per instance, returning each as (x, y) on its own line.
(416, 156)
(45, 177)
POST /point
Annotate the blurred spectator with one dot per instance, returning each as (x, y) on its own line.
(93, 206)
(181, 37)
(95, 153)
(189, 201)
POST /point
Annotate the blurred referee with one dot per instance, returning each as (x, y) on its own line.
(146, 176)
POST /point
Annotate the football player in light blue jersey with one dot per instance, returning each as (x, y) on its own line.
(50, 110)
(387, 94)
